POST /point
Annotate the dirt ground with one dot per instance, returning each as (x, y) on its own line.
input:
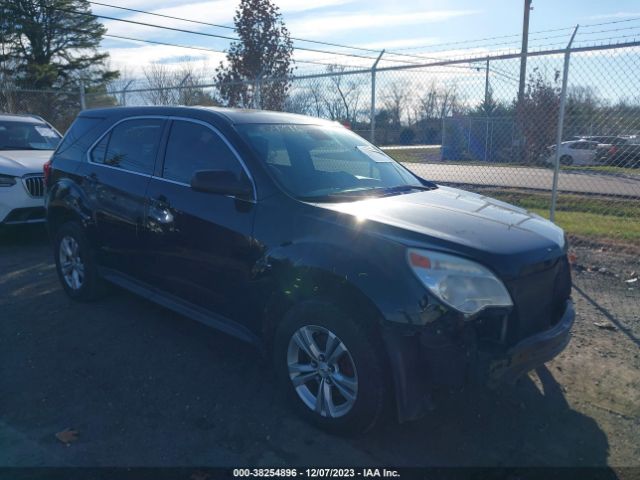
(143, 386)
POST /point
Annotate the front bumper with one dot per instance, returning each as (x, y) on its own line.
(18, 207)
(419, 364)
(533, 351)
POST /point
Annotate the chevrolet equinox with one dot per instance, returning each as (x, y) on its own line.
(367, 285)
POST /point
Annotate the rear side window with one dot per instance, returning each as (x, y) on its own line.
(80, 127)
(192, 147)
(131, 145)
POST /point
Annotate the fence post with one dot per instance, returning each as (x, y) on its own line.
(83, 101)
(124, 93)
(486, 109)
(372, 113)
(563, 100)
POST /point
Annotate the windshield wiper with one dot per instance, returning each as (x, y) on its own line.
(388, 190)
(364, 192)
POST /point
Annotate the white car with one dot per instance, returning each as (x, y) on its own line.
(574, 152)
(26, 143)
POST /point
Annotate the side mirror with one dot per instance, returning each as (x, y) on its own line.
(222, 182)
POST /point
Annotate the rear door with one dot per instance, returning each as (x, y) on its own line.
(115, 179)
(198, 246)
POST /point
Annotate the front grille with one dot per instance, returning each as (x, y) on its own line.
(539, 299)
(34, 185)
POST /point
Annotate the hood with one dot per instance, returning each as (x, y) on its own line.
(21, 162)
(496, 233)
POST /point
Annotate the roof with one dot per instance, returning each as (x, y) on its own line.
(231, 115)
(24, 118)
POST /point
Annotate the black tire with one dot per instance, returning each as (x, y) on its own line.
(92, 286)
(365, 350)
(566, 160)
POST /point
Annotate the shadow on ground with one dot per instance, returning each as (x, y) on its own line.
(145, 387)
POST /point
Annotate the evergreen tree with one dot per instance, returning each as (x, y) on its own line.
(259, 64)
(52, 47)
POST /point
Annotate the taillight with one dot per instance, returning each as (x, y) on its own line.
(613, 150)
(46, 169)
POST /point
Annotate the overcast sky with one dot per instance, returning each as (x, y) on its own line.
(391, 24)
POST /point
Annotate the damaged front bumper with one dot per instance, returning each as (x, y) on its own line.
(532, 351)
(419, 364)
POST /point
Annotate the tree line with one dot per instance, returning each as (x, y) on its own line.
(54, 46)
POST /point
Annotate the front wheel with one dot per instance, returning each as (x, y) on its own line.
(75, 263)
(332, 367)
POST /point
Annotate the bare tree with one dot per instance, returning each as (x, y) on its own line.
(343, 104)
(187, 83)
(437, 103)
(395, 101)
(161, 82)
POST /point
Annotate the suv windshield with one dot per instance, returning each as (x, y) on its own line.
(27, 136)
(322, 163)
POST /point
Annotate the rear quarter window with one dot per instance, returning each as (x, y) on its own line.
(79, 128)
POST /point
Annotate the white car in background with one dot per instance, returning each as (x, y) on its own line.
(26, 143)
(574, 152)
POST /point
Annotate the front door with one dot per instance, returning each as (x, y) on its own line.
(198, 246)
(115, 179)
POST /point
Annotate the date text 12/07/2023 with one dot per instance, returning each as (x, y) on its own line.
(316, 472)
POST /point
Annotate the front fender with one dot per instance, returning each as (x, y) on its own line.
(378, 273)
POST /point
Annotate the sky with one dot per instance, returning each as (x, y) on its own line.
(432, 28)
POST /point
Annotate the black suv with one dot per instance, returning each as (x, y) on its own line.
(366, 284)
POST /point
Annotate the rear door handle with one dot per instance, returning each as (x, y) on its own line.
(159, 211)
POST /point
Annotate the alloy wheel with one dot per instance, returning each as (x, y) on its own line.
(322, 371)
(71, 264)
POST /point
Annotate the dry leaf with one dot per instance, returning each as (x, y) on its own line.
(604, 325)
(67, 435)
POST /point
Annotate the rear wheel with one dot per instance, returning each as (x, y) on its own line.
(332, 367)
(75, 263)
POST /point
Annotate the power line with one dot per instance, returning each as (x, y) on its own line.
(298, 39)
(499, 37)
(205, 34)
(154, 42)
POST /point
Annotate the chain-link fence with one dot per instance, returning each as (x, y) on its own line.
(568, 146)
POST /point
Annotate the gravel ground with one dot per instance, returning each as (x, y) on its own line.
(143, 386)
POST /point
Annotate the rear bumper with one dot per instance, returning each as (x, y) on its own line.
(418, 367)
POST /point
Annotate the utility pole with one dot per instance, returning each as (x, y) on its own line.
(524, 49)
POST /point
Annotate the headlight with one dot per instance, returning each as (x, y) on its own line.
(462, 284)
(7, 181)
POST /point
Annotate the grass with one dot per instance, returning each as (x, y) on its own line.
(600, 219)
(594, 218)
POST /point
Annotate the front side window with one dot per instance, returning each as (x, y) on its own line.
(320, 161)
(192, 147)
(27, 136)
(131, 145)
